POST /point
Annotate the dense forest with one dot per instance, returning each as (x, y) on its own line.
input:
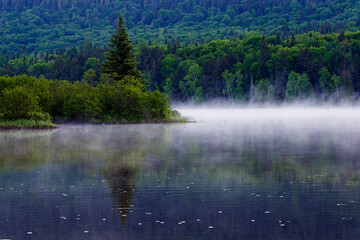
(35, 26)
(257, 69)
(121, 96)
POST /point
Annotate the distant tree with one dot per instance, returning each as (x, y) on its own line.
(326, 83)
(120, 58)
(298, 86)
(262, 90)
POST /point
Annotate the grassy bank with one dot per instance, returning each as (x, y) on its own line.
(27, 124)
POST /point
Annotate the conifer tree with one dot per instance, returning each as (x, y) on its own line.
(120, 60)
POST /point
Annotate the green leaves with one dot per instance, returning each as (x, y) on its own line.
(19, 103)
(298, 86)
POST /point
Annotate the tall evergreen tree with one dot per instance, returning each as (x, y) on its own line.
(120, 59)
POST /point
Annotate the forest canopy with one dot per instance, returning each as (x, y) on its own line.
(46, 25)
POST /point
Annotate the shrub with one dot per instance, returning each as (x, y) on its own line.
(19, 103)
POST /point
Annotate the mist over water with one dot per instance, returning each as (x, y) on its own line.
(234, 173)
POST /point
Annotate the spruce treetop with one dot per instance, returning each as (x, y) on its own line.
(120, 61)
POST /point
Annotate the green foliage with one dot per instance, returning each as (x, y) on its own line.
(120, 57)
(262, 91)
(158, 106)
(26, 123)
(126, 100)
(326, 83)
(298, 86)
(45, 25)
(18, 103)
(227, 69)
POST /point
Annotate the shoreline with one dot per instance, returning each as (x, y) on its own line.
(23, 124)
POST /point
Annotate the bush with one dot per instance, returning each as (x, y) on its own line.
(158, 106)
(19, 103)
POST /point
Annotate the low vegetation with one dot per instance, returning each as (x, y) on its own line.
(24, 97)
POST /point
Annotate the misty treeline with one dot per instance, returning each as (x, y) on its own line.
(44, 25)
(258, 68)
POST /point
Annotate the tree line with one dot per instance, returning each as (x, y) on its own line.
(256, 69)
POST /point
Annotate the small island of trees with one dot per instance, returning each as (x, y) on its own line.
(119, 97)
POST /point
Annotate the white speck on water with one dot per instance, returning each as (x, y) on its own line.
(187, 187)
(139, 224)
(179, 223)
(72, 186)
(86, 231)
(267, 212)
(281, 196)
(104, 219)
(253, 220)
(183, 222)
(148, 213)
(63, 218)
(258, 195)
(162, 222)
(211, 227)
(198, 220)
(29, 233)
(124, 215)
(157, 221)
(64, 194)
(220, 212)
(282, 225)
(78, 219)
(78, 215)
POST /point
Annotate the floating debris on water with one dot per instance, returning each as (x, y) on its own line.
(253, 220)
(267, 212)
(211, 227)
(29, 233)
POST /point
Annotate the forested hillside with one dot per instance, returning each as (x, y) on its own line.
(47, 25)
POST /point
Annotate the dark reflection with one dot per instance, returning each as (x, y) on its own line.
(122, 187)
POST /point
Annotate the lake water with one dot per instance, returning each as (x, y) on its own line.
(234, 174)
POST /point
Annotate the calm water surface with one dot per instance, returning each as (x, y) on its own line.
(235, 174)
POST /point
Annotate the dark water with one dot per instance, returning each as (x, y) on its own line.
(245, 174)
